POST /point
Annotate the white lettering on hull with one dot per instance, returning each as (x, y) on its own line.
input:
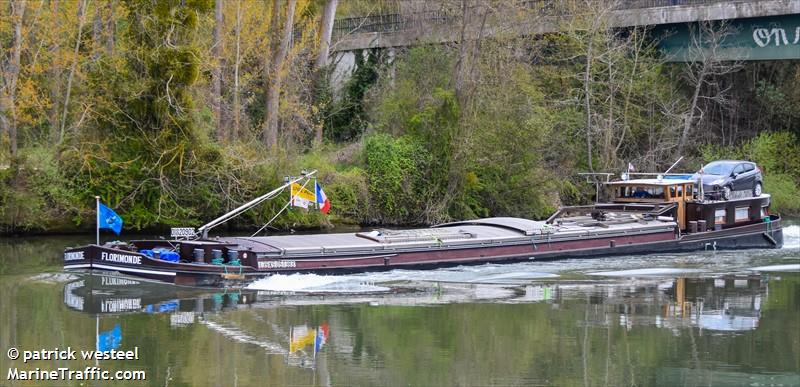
(276, 264)
(115, 281)
(121, 258)
(120, 305)
(73, 256)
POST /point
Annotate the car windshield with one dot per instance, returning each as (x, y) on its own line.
(718, 168)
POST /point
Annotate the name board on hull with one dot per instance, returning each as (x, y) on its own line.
(73, 256)
(121, 258)
(276, 264)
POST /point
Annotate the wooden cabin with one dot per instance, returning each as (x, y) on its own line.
(675, 191)
(714, 214)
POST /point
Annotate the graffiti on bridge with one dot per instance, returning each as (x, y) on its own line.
(763, 37)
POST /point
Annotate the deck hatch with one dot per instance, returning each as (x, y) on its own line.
(419, 235)
(523, 226)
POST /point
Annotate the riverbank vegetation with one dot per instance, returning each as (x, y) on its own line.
(176, 111)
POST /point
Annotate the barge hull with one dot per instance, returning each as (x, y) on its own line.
(757, 235)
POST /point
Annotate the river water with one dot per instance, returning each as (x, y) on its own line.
(710, 318)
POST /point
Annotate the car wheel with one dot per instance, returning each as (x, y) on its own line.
(726, 192)
(757, 190)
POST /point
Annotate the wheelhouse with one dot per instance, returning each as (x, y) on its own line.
(668, 191)
(692, 214)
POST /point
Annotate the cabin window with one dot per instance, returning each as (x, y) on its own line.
(719, 216)
(764, 212)
(680, 191)
(641, 192)
(742, 214)
(672, 192)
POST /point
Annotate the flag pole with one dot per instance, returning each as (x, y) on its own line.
(97, 339)
(97, 220)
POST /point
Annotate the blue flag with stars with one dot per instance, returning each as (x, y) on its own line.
(109, 340)
(107, 218)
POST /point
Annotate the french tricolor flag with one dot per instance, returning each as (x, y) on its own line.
(322, 337)
(322, 199)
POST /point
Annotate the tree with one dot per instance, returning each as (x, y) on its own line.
(703, 71)
(594, 38)
(76, 59)
(144, 137)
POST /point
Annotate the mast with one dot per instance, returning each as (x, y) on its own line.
(203, 230)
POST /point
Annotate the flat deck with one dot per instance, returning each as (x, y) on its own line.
(458, 234)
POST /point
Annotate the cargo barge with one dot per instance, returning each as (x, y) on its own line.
(642, 216)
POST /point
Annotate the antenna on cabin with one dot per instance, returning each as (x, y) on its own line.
(673, 166)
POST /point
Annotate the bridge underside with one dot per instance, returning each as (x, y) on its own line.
(761, 38)
(757, 29)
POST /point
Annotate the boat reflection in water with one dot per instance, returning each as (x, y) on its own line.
(726, 303)
(729, 303)
(109, 296)
(369, 338)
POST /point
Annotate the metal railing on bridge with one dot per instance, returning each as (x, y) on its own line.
(394, 22)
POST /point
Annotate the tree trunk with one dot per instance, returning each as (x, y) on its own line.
(236, 120)
(689, 119)
(458, 84)
(8, 108)
(328, 15)
(587, 89)
(81, 13)
(609, 158)
(97, 32)
(216, 98)
(326, 32)
(55, 73)
(274, 24)
(110, 27)
(4, 124)
(274, 81)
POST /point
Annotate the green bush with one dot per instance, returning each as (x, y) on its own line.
(350, 197)
(36, 196)
(784, 190)
(395, 168)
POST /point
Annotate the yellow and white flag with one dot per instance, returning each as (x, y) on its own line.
(302, 197)
(300, 337)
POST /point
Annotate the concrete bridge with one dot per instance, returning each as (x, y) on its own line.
(763, 29)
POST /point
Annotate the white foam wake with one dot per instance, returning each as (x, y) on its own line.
(791, 237)
(651, 272)
(313, 283)
(777, 268)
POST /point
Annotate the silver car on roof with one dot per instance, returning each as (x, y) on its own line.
(720, 178)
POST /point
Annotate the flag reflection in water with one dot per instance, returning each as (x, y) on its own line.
(303, 336)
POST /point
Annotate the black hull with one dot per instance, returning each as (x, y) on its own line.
(751, 236)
